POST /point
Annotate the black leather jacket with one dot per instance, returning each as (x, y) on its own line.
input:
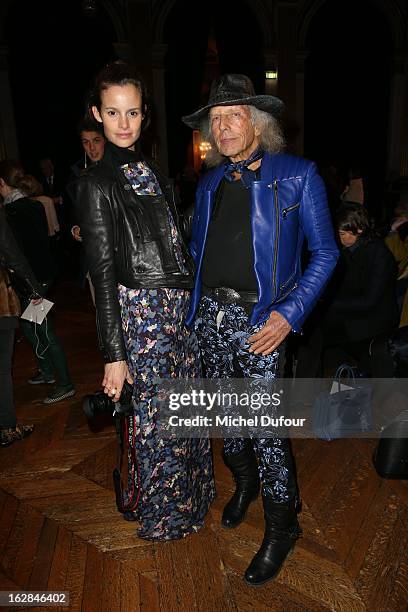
(13, 259)
(127, 240)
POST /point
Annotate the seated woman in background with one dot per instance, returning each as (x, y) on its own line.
(360, 302)
(397, 242)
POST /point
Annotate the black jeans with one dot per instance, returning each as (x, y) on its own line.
(7, 410)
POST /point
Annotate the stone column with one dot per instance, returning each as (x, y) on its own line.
(149, 56)
(286, 16)
(139, 34)
(286, 43)
(397, 157)
(123, 51)
(159, 52)
(397, 153)
(8, 136)
(300, 102)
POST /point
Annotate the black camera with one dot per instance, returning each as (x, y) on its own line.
(100, 403)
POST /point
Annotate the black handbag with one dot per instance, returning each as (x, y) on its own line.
(345, 412)
(391, 455)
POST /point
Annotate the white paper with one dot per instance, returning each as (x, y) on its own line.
(36, 313)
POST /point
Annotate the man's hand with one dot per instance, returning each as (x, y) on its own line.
(115, 375)
(271, 335)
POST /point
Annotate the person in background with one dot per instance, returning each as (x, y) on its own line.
(397, 242)
(93, 143)
(142, 274)
(50, 180)
(12, 263)
(28, 222)
(33, 189)
(53, 180)
(253, 211)
(360, 304)
(354, 188)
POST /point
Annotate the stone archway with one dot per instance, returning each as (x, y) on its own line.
(117, 16)
(50, 69)
(391, 9)
(258, 10)
(8, 137)
(395, 15)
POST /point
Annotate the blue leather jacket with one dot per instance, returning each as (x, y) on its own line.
(288, 205)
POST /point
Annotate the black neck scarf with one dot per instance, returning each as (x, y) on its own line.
(241, 167)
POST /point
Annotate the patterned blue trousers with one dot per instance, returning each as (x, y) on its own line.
(225, 354)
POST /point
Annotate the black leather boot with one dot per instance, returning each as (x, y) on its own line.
(244, 468)
(281, 532)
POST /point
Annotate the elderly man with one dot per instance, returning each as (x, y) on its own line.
(254, 209)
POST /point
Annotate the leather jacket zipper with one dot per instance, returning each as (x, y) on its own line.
(275, 254)
(288, 209)
(282, 297)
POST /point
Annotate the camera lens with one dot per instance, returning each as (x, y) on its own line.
(97, 403)
(87, 406)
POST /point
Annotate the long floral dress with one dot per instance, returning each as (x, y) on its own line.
(174, 476)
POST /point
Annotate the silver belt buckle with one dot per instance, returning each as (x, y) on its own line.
(227, 295)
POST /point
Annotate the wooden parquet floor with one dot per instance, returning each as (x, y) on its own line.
(60, 530)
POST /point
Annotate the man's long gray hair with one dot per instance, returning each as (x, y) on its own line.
(272, 139)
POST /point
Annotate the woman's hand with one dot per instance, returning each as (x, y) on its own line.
(115, 375)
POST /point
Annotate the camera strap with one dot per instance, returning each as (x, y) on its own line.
(127, 499)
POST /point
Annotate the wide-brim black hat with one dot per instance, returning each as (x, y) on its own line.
(231, 90)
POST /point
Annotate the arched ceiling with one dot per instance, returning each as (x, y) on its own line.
(392, 9)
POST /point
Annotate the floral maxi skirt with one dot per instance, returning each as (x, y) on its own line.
(175, 476)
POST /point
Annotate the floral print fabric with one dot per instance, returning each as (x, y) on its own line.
(142, 179)
(222, 332)
(175, 475)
